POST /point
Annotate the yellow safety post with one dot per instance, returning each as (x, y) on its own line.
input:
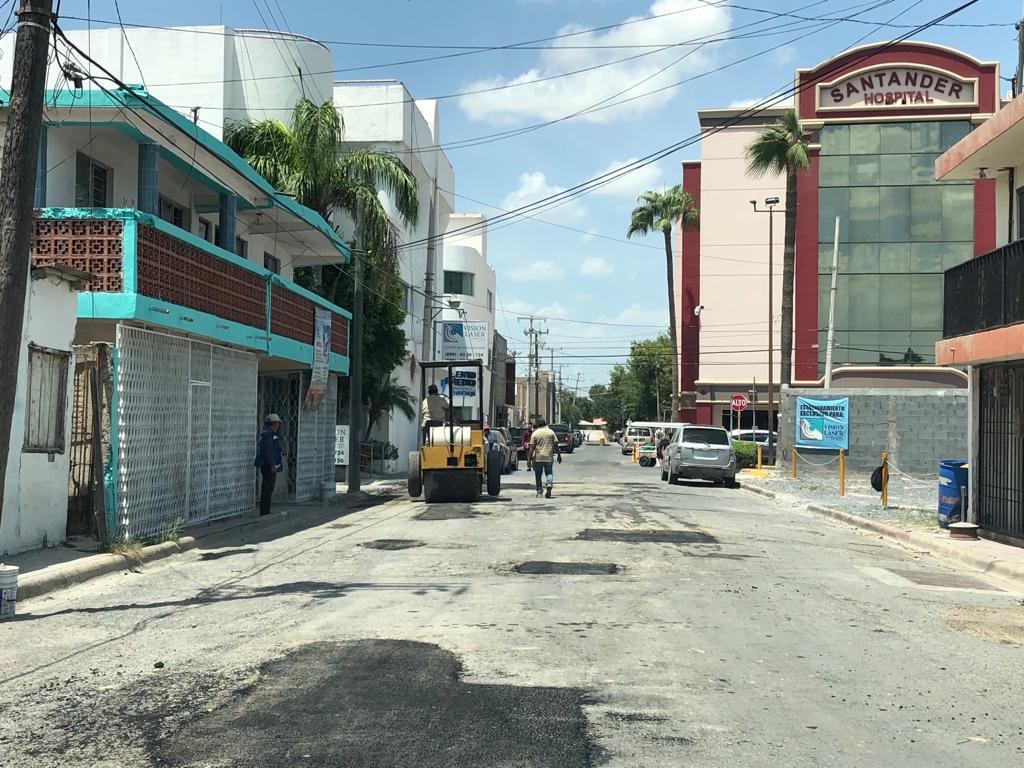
(636, 451)
(758, 456)
(792, 462)
(885, 480)
(842, 474)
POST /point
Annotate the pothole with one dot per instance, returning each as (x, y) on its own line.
(650, 537)
(392, 544)
(546, 567)
(943, 579)
(447, 513)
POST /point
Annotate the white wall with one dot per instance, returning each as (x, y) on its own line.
(35, 506)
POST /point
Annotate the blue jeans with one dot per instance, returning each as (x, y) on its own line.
(543, 469)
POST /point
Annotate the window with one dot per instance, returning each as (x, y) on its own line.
(271, 262)
(406, 299)
(490, 301)
(92, 183)
(173, 213)
(206, 230)
(458, 282)
(241, 248)
(46, 401)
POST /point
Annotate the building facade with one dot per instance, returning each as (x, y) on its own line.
(188, 253)
(877, 117)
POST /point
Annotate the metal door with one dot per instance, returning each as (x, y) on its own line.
(999, 473)
(199, 454)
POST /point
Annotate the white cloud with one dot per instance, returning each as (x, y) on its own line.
(596, 266)
(533, 97)
(534, 187)
(534, 271)
(631, 183)
(745, 103)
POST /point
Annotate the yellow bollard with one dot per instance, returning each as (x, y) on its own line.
(758, 456)
(636, 451)
(885, 480)
(792, 462)
(842, 474)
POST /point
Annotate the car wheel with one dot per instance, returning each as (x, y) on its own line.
(673, 478)
(664, 473)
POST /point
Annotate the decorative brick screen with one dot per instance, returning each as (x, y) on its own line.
(174, 271)
(291, 315)
(89, 245)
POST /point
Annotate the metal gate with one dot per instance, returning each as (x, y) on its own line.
(186, 417)
(999, 473)
(82, 492)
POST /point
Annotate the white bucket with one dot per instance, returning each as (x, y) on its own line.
(8, 590)
(328, 490)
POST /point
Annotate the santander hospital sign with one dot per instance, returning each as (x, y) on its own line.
(897, 87)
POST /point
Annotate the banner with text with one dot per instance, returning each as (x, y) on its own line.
(823, 423)
(461, 340)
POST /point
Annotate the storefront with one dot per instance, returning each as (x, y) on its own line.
(877, 118)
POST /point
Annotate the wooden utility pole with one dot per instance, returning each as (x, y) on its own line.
(355, 374)
(17, 187)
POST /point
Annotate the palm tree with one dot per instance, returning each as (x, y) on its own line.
(302, 159)
(382, 395)
(782, 148)
(657, 211)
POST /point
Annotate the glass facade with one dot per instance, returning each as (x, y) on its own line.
(900, 229)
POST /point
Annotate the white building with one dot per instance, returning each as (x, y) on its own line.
(470, 280)
(36, 488)
(382, 115)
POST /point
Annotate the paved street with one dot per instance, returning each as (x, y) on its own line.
(709, 628)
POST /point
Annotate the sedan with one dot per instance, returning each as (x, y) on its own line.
(498, 450)
(700, 453)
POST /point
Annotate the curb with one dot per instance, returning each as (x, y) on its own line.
(759, 491)
(59, 577)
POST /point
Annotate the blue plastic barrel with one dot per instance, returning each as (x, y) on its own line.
(952, 477)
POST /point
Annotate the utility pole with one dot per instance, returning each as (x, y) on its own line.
(355, 374)
(533, 366)
(428, 278)
(1017, 84)
(830, 344)
(18, 168)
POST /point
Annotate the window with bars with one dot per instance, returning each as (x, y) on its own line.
(174, 213)
(92, 183)
(46, 400)
(458, 282)
(271, 262)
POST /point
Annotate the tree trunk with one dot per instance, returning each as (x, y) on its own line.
(675, 357)
(788, 274)
(17, 187)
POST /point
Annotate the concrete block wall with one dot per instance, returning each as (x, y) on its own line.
(918, 427)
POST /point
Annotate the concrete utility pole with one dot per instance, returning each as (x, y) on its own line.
(428, 278)
(1017, 85)
(18, 168)
(533, 364)
(355, 374)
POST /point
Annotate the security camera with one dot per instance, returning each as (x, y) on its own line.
(697, 310)
(771, 201)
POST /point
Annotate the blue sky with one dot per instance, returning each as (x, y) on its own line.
(563, 273)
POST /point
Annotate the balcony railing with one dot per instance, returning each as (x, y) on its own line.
(132, 253)
(984, 293)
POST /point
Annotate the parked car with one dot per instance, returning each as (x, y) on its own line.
(632, 435)
(700, 453)
(578, 438)
(565, 442)
(759, 436)
(513, 448)
(516, 433)
(616, 435)
(498, 449)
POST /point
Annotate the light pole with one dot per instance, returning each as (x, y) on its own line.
(453, 304)
(770, 203)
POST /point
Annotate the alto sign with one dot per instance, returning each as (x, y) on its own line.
(896, 88)
(740, 402)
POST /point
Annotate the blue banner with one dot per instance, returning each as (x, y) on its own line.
(823, 423)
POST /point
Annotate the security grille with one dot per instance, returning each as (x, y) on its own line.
(316, 441)
(999, 473)
(186, 416)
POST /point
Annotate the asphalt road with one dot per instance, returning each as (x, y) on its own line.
(624, 622)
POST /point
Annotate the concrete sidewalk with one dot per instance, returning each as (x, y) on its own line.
(45, 570)
(989, 557)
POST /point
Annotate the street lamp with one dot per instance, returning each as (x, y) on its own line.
(770, 203)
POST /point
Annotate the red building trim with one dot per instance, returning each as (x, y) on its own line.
(984, 216)
(805, 290)
(688, 279)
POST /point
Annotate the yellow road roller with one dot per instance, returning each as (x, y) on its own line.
(453, 462)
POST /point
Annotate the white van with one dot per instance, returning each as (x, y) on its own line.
(634, 434)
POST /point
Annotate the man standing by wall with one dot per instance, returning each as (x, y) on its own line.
(269, 460)
(543, 449)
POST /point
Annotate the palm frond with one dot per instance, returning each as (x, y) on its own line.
(388, 174)
(780, 146)
(266, 145)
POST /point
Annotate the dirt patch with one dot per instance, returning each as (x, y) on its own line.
(646, 537)
(943, 579)
(1000, 625)
(448, 512)
(392, 544)
(546, 568)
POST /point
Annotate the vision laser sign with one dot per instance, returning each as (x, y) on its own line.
(898, 87)
(823, 423)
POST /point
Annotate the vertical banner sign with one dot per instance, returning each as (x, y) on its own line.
(823, 423)
(321, 358)
(341, 445)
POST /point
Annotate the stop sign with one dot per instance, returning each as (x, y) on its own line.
(740, 402)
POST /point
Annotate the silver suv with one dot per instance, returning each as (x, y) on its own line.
(700, 453)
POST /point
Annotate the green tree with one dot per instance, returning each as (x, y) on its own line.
(650, 364)
(382, 395)
(659, 211)
(782, 149)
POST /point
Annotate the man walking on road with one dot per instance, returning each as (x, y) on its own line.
(543, 449)
(269, 460)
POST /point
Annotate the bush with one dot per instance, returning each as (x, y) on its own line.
(746, 454)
